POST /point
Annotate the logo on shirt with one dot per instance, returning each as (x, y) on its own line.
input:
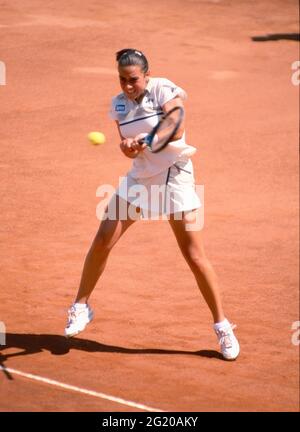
(149, 104)
(120, 107)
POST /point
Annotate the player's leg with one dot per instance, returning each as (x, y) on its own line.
(110, 231)
(191, 245)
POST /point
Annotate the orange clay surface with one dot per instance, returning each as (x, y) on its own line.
(151, 341)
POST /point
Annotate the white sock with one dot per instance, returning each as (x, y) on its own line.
(224, 323)
(80, 305)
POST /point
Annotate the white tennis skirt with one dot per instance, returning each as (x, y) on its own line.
(168, 192)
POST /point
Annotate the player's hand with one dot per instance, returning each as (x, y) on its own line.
(136, 145)
(131, 148)
(127, 149)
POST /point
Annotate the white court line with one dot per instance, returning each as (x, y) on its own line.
(80, 390)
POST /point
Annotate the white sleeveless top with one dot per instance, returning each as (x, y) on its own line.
(135, 118)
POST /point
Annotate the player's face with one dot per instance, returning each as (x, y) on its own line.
(133, 81)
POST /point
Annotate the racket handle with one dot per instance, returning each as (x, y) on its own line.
(143, 138)
(149, 140)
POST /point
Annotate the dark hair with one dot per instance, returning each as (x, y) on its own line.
(130, 57)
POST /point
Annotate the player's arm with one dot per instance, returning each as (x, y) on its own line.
(177, 101)
(129, 146)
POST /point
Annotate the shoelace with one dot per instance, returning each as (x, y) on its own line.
(72, 315)
(225, 336)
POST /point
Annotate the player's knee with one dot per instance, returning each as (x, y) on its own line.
(197, 261)
(201, 264)
(103, 243)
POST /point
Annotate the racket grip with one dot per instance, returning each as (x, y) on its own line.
(149, 139)
(143, 138)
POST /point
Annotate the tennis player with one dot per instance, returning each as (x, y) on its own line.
(136, 110)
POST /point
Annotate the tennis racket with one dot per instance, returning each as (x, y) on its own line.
(164, 131)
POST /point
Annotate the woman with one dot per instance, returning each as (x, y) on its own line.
(136, 111)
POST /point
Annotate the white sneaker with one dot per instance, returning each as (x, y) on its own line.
(230, 347)
(79, 315)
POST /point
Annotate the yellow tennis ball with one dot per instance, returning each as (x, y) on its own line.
(96, 138)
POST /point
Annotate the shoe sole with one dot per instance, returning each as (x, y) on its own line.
(232, 358)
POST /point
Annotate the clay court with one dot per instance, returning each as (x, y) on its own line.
(151, 344)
